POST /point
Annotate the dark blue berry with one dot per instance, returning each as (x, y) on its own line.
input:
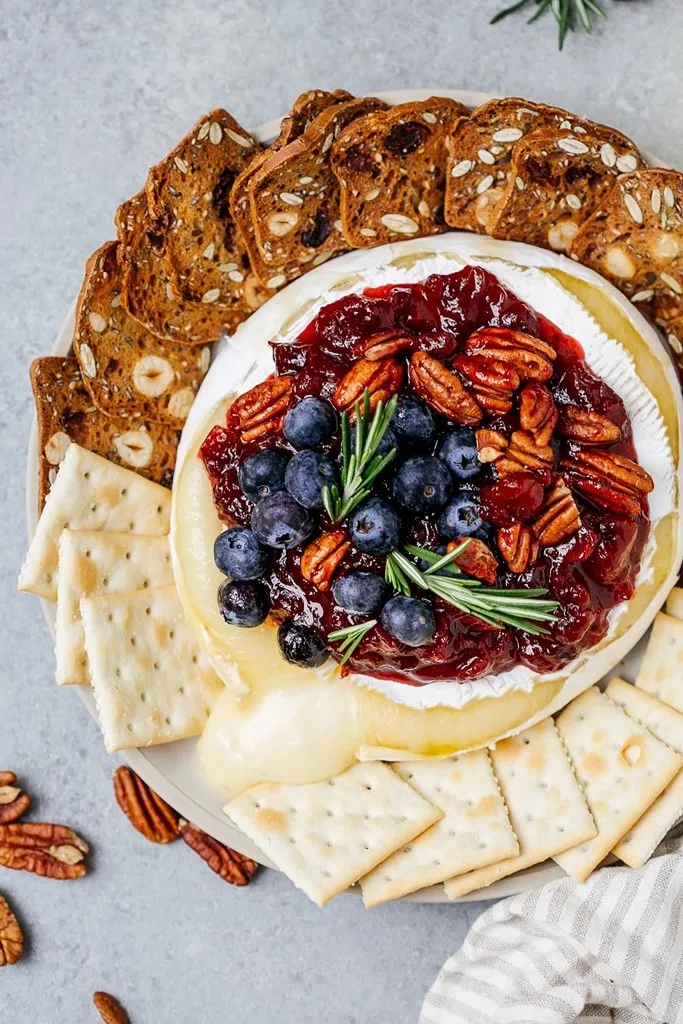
(301, 645)
(243, 602)
(408, 620)
(458, 450)
(309, 423)
(263, 473)
(361, 593)
(281, 522)
(414, 423)
(375, 527)
(307, 473)
(462, 518)
(389, 440)
(423, 484)
(239, 553)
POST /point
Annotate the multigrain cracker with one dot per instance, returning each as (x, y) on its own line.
(90, 493)
(151, 680)
(327, 835)
(547, 808)
(661, 670)
(475, 829)
(622, 769)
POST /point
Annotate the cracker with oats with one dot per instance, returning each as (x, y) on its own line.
(391, 166)
(91, 493)
(621, 767)
(559, 178)
(151, 681)
(547, 808)
(661, 670)
(640, 842)
(666, 309)
(65, 412)
(130, 373)
(92, 563)
(327, 835)
(475, 829)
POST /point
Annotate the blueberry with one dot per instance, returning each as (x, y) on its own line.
(310, 422)
(408, 620)
(361, 593)
(281, 522)
(301, 645)
(414, 423)
(375, 527)
(238, 553)
(423, 484)
(458, 450)
(263, 473)
(243, 602)
(389, 440)
(307, 474)
(462, 518)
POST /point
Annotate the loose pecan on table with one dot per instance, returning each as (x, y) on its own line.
(559, 517)
(385, 343)
(382, 378)
(110, 1009)
(11, 936)
(587, 427)
(261, 411)
(320, 560)
(145, 809)
(510, 456)
(443, 390)
(537, 412)
(53, 851)
(612, 481)
(492, 381)
(13, 803)
(531, 357)
(476, 560)
(232, 866)
(518, 546)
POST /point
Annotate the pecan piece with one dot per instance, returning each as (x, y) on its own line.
(491, 380)
(559, 517)
(385, 343)
(232, 866)
(260, 412)
(611, 481)
(531, 357)
(518, 546)
(13, 803)
(476, 560)
(537, 412)
(110, 1009)
(382, 378)
(11, 936)
(443, 390)
(53, 851)
(321, 558)
(587, 427)
(145, 809)
(510, 456)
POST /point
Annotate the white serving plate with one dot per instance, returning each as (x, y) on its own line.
(171, 769)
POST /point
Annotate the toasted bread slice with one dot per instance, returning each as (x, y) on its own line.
(130, 373)
(391, 166)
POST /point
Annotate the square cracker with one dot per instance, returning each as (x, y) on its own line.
(674, 603)
(152, 682)
(661, 670)
(91, 493)
(622, 768)
(93, 563)
(640, 842)
(547, 809)
(475, 829)
(327, 835)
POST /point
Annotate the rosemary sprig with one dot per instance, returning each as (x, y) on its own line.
(520, 609)
(350, 637)
(360, 463)
(563, 11)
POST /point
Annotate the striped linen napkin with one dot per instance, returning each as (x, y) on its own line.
(610, 950)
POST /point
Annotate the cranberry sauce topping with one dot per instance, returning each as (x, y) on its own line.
(541, 492)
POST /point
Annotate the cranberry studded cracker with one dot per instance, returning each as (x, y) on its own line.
(391, 166)
(66, 412)
(130, 373)
(295, 196)
(559, 177)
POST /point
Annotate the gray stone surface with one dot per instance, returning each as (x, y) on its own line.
(92, 93)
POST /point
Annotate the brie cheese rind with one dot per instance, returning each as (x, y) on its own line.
(364, 717)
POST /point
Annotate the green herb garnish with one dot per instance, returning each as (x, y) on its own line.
(563, 10)
(350, 636)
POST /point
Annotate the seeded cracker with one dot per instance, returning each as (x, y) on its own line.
(391, 166)
(661, 670)
(129, 372)
(640, 842)
(327, 835)
(66, 413)
(622, 768)
(475, 829)
(547, 809)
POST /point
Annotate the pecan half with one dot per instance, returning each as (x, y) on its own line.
(491, 380)
(531, 357)
(145, 810)
(517, 453)
(559, 517)
(321, 558)
(11, 936)
(518, 546)
(385, 343)
(53, 851)
(443, 390)
(260, 412)
(232, 866)
(587, 427)
(537, 412)
(611, 481)
(476, 560)
(382, 377)
(13, 803)
(110, 1009)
